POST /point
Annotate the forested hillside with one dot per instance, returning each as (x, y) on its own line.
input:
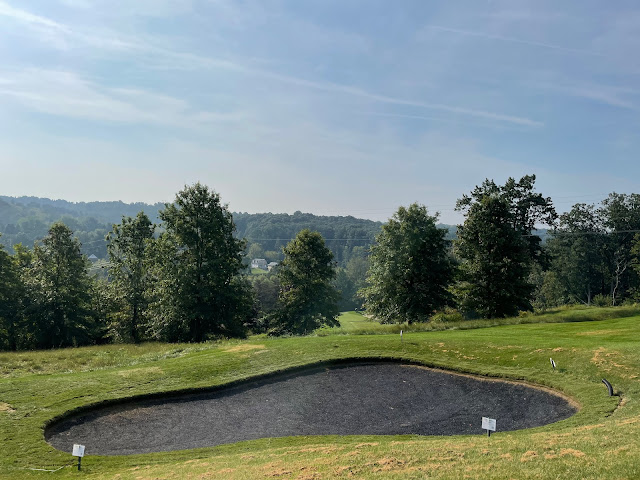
(27, 219)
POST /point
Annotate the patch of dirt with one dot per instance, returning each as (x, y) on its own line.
(5, 407)
(528, 456)
(598, 332)
(141, 371)
(589, 427)
(572, 452)
(244, 348)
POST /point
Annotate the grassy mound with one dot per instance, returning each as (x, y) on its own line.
(600, 441)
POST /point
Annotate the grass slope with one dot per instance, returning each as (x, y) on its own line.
(600, 441)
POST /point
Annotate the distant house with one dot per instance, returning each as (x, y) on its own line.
(259, 263)
(272, 265)
(93, 258)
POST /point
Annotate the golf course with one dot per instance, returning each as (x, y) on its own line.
(599, 440)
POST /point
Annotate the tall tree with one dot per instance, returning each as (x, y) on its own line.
(60, 289)
(127, 246)
(577, 247)
(527, 208)
(199, 289)
(495, 260)
(11, 292)
(410, 268)
(307, 297)
(498, 245)
(621, 217)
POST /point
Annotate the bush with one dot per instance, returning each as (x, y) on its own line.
(601, 300)
(448, 314)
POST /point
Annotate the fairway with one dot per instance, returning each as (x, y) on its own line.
(599, 441)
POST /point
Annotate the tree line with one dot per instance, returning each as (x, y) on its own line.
(27, 219)
(497, 265)
(184, 281)
(185, 278)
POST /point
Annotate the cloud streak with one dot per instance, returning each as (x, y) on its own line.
(176, 60)
(501, 38)
(66, 94)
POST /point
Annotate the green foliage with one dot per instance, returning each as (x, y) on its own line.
(343, 235)
(578, 250)
(601, 300)
(266, 289)
(549, 290)
(496, 261)
(128, 245)
(526, 209)
(410, 268)
(11, 294)
(621, 216)
(197, 261)
(59, 290)
(307, 297)
(498, 246)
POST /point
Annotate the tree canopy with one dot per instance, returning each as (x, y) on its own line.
(308, 298)
(410, 268)
(199, 260)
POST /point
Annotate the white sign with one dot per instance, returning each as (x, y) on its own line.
(489, 424)
(78, 450)
(553, 364)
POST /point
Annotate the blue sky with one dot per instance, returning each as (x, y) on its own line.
(331, 107)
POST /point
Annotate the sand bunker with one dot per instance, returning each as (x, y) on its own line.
(363, 398)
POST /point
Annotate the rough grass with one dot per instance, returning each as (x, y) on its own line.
(355, 323)
(599, 442)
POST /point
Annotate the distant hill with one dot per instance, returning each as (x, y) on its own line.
(27, 219)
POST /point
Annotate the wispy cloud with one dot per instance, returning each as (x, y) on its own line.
(23, 16)
(66, 94)
(520, 41)
(172, 59)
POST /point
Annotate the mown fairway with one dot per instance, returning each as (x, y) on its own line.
(600, 441)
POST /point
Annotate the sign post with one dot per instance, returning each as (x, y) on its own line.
(553, 364)
(400, 336)
(489, 424)
(78, 451)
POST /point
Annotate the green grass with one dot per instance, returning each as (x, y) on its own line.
(599, 442)
(258, 271)
(355, 323)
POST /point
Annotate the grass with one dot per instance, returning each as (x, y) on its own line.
(599, 442)
(355, 323)
(258, 271)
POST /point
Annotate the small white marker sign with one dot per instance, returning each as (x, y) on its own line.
(553, 364)
(78, 450)
(489, 424)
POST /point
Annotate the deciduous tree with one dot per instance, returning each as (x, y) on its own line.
(11, 293)
(495, 260)
(307, 297)
(128, 246)
(410, 268)
(59, 287)
(199, 290)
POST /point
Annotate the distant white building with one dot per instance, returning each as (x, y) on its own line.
(93, 258)
(259, 263)
(272, 265)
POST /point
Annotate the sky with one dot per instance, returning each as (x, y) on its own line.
(334, 107)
